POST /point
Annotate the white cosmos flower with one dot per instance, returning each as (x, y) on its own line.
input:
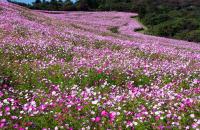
(95, 102)
(118, 113)
(53, 93)
(92, 112)
(157, 113)
(192, 115)
(56, 128)
(33, 103)
(135, 123)
(5, 101)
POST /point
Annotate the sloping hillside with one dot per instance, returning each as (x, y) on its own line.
(90, 70)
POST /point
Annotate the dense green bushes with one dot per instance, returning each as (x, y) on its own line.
(193, 36)
(174, 19)
(80, 5)
(177, 27)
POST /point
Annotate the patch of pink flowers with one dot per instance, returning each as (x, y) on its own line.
(69, 71)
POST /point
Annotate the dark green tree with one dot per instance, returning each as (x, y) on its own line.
(68, 5)
(82, 5)
(37, 4)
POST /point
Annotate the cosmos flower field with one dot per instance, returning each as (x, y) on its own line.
(91, 70)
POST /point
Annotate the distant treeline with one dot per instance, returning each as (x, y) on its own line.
(178, 19)
(79, 5)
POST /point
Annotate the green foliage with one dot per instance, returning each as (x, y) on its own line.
(154, 19)
(114, 29)
(61, 53)
(82, 5)
(184, 85)
(41, 121)
(139, 29)
(167, 79)
(68, 5)
(178, 28)
(94, 78)
(170, 19)
(193, 36)
(142, 80)
(21, 68)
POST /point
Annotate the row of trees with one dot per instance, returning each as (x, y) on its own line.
(53, 5)
(83, 5)
(178, 19)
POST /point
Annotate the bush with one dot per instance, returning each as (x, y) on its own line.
(193, 36)
(154, 19)
(167, 29)
(174, 19)
(114, 29)
(177, 28)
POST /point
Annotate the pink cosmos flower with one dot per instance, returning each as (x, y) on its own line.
(15, 126)
(1, 94)
(21, 128)
(157, 118)
(1, 104)
(104, 113)
(13, 117)
(129, 124)
(3, 120)
(7, 109)
(2, 125)
(42, 107)
(97, 119)
(100, 71)
(79, 108)
(112, 116)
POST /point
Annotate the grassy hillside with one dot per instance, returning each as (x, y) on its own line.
(177, 19)
(90, 70)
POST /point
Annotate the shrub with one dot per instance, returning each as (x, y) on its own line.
(154, 19)
(139, 29)
(193, 36)
(173, 27)
(114, 29)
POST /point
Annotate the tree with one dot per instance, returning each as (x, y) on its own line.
(54, 5)
(93, 4)
(68, 5)
(60, 5)
(37, 4)
(82, 5)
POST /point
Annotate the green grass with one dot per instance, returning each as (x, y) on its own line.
(143, 29)
(114, 29)
(26, 75)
